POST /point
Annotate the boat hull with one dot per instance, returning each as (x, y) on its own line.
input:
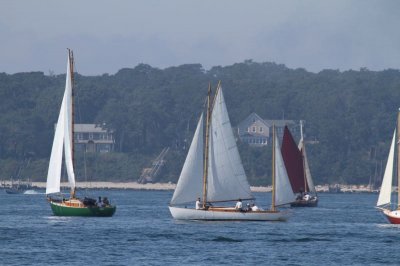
(15, 191)
(65, 209)
(227, 214)
(305, 203)
(392, 216)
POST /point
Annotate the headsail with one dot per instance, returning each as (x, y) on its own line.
(226, 177)
(386, 188)
(283, 194)
(189, 186)
(62, 136)
(293, 160)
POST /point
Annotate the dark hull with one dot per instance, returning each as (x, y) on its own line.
(305, 203)
(15, 191)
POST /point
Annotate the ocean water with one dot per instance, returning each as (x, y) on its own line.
(344, 230)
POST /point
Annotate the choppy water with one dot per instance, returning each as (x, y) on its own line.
(344, 230)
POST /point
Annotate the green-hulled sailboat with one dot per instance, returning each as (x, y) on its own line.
(64, 141)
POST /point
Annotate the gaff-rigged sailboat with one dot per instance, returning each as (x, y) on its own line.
(296, 164)
(63, 140)
(390, 210)
(213, 171)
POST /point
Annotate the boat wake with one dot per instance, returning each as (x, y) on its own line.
(33, 192)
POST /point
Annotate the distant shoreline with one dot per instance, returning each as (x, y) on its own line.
(171, 186)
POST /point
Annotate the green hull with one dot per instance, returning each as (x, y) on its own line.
(62, 210)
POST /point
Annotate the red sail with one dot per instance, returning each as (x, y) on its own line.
(293, 160)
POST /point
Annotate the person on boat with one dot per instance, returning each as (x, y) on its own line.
(239, 205)
(254, 207)
(198, 204)
(99, 203)
(306, 197)
(248, 207)
(105, 201)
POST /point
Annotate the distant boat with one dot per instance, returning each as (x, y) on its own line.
(213, 173)
(385, 204)
(19, 187)
(63, 140)
(296, 163)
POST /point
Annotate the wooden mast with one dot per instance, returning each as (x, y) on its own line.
(303, 150)
(273, 167)
(398, 159)
(205, 172)
(71, 67)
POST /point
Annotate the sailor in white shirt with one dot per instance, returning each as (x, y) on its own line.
(254, 207)
(239, 205)
(306, 197)
(198, 204)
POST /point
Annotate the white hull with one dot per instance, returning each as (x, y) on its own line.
(227, 214)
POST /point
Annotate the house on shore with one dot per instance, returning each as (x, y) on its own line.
(256, 131)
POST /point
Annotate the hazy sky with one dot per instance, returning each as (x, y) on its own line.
(109, 35)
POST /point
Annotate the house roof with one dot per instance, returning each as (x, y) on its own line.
(95, 128)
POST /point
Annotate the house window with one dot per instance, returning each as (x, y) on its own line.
(254, 129)
(261, 129)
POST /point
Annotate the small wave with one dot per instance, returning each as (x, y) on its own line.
(33, 192)
(303, 239)
(225, 239)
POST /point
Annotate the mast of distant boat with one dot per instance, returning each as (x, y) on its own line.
(71, 67)
(273, 167)
(303, 151)
(205, 172)
(398, 160)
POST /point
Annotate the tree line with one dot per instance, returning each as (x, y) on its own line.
(352, 114)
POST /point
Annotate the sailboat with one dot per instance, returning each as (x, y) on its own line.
(296, 164)
(385, 204)
(63, 140)
(213, 173)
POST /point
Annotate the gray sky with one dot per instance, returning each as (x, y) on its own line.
(109, 35)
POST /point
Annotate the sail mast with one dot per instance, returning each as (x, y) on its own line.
(205, 172)
(71, 64)
(273, 167)
(303, 150)
(398, 160)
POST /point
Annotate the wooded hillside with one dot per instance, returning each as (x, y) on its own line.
(350, 113)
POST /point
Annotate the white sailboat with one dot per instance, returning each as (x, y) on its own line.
(385, 203)
(64, 141)
(213, 171)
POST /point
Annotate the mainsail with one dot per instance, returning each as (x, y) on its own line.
(386, 188)
(283, 191)
(293, 160)
(62, 136)
(310, 183)
(226, 177)
(189, 186)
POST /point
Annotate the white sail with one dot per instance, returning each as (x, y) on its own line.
(190, 183)
(62, 137)
(386, 188)
(226, 177)
(68, 138)
(54, 171)
(283, 189)
(310, 182)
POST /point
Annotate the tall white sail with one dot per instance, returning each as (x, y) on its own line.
(386, 188)
(283, 189)
(190, 183)
(68, 138)
(62, 137)
(226, 177)
(310, 182)
(54, 171)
